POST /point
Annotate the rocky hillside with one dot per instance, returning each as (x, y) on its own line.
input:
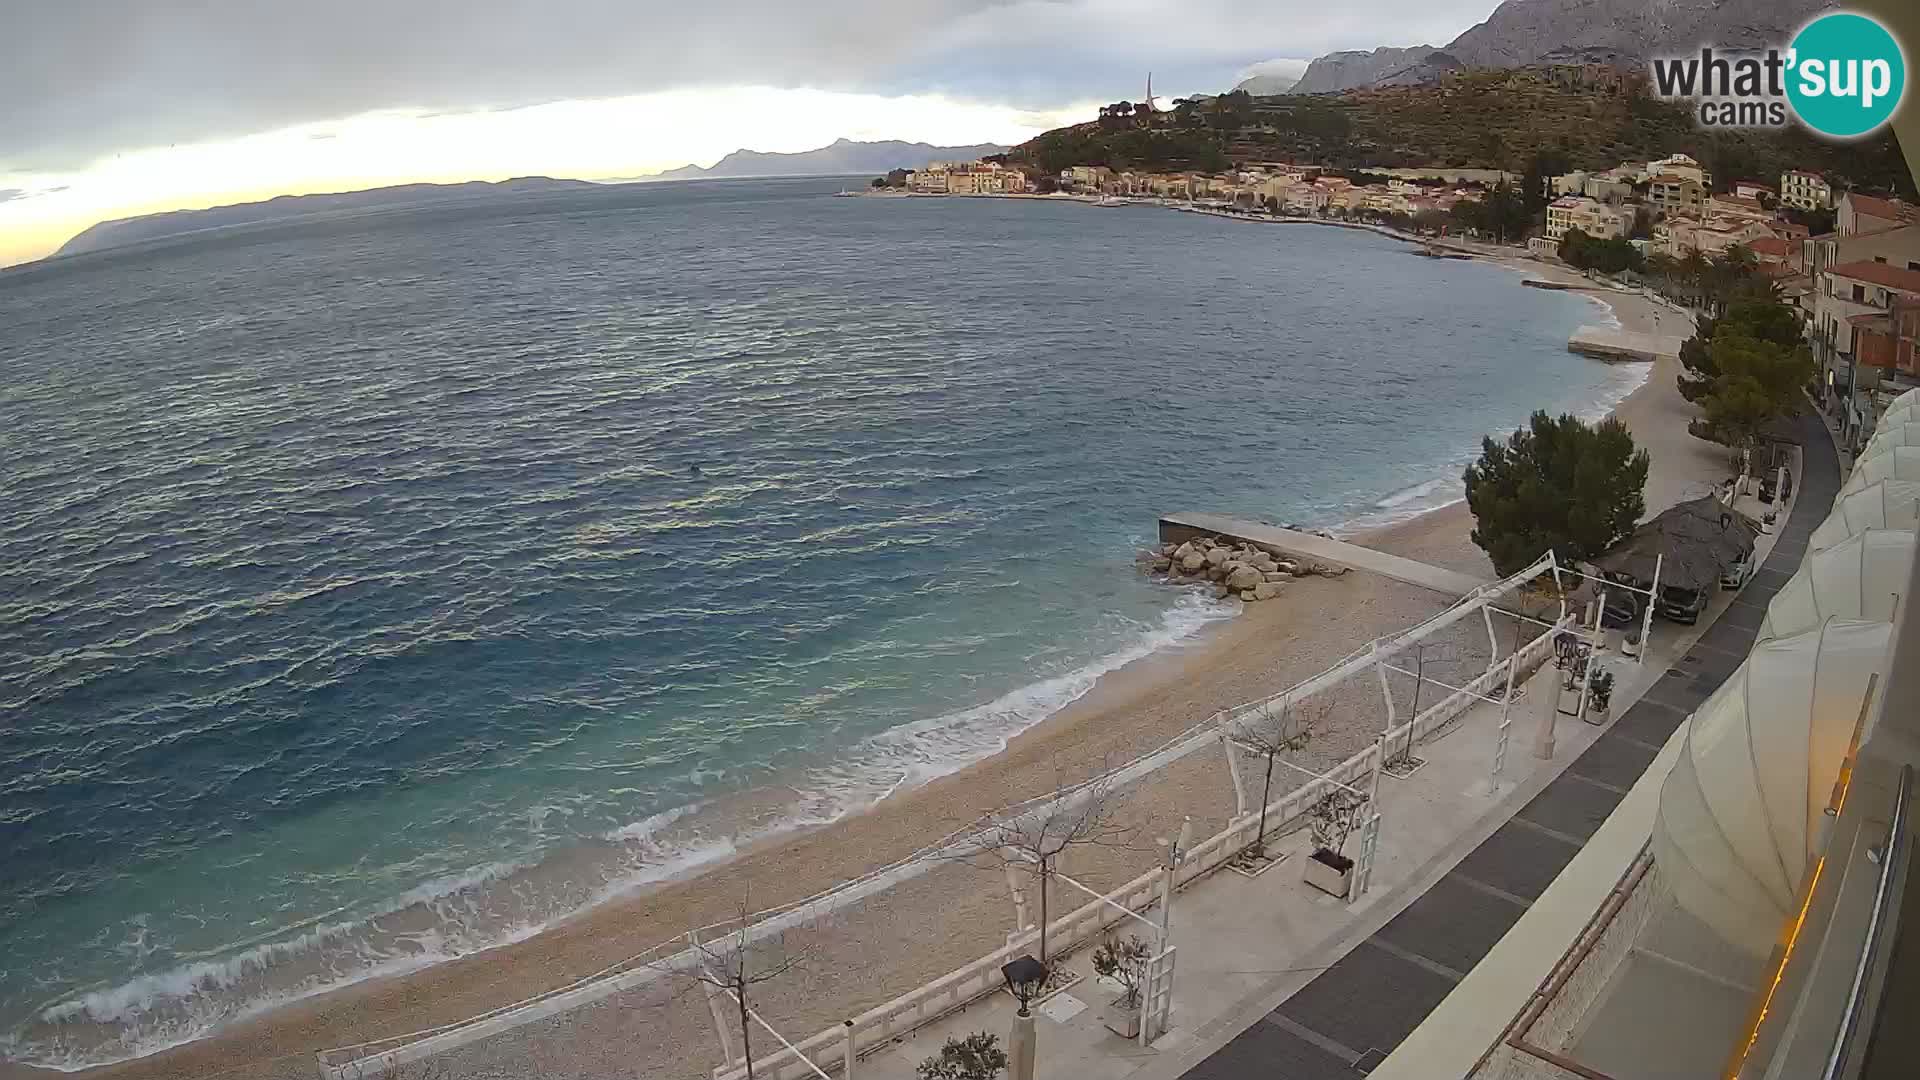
(1549, 119)
(1523, 32)
(1345, 70)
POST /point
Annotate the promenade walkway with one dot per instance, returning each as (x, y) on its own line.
(1175, 528)
(1349, 1017)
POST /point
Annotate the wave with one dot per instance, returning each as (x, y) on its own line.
(508, 902)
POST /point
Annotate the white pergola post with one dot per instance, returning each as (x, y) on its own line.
(1239, 782)
(1506, 720)
(1493, 643)
(1646, 619)
(1593, 648)
(1386, 693)
(852, 1055)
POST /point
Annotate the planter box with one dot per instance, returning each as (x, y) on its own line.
(1330, 873)
(1121, 1019)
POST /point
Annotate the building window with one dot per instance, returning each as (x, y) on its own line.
(1860, 294)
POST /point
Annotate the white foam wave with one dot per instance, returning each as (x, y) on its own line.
(486, 908)
(911, 755)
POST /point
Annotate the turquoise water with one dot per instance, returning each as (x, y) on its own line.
(381, 589)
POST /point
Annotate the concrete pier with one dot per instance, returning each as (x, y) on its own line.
(1179, 528)
(1607, 343)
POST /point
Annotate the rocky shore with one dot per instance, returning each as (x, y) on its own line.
(1234, 567)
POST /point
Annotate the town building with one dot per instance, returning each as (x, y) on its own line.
(1671, 193)
(1805, 190)
(1856, 214)
(1594, 218)
(1890, 342)
(1753, 189)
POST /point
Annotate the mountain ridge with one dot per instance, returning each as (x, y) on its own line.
(1519, 33)
(120, 232)
(841, 157)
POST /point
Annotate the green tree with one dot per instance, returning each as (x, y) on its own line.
(976, 1057)
(1556, 485)
(1759, 366)
(1698, 371)
(1576, 249)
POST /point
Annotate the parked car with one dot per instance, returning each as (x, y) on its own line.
(1682, 605)
(1622, 610)
(1735, 575)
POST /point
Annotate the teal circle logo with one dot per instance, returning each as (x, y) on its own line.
(1846, 75)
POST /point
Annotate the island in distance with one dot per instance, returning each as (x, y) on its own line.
(121, 232)
(844, 158)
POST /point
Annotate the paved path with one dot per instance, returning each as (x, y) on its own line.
(1180, 527)
(1353, 1014)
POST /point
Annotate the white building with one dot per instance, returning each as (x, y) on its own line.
(1805, 190)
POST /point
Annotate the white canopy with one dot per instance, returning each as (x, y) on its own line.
(1887, 436)
(1892, 463)
(1854, 579)
(1740, 815)
(1885, 504)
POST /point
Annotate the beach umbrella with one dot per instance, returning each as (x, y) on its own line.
(1739, 822)
(1885, 504)
(1892, 463)
(1858, 578)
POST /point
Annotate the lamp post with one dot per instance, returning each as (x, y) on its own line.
(1024, 976)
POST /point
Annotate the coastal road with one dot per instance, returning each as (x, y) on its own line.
(1353, 1014)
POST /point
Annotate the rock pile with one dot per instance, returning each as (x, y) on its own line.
(1235, 568)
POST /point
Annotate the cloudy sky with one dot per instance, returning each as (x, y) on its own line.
(114, 107)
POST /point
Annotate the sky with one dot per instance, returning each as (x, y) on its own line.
(110, 108)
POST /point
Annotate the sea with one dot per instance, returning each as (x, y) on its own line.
(380, 588)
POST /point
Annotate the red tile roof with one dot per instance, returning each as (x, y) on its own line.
(1884, 209)
(1771, 245)
(1892, 277)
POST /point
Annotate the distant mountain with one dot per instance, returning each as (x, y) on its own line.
(1346, 70)
(133, 230)
(1526, 32)
(1267, 85)
(844, 158)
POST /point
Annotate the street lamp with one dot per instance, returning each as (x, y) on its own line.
(1024, 976)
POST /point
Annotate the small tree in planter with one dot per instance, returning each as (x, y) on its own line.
(1271, 732)
(1125, 962)
(1330, 820)
(976, 1057)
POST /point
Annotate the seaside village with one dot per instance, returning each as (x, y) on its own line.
(1855, 282)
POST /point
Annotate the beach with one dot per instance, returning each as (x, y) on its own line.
(884, 946)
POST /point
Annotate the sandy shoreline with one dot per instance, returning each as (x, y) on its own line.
(882, 948)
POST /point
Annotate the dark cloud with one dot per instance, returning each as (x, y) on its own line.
(89, 77)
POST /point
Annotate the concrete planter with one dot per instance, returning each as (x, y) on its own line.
(1329, 872)
(1121, 1018)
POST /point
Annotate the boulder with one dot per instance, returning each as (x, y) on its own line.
(1219, 592)
(1184, 550)
(1266, 590)
(1248, 595)
(1169, 549)
(1192, 561)
(1217, 573)
(1162, 565)
(1277, 577)
(1244, 577)
(1217, 557)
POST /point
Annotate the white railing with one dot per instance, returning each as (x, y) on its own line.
(371, 1059)
(960, 987)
